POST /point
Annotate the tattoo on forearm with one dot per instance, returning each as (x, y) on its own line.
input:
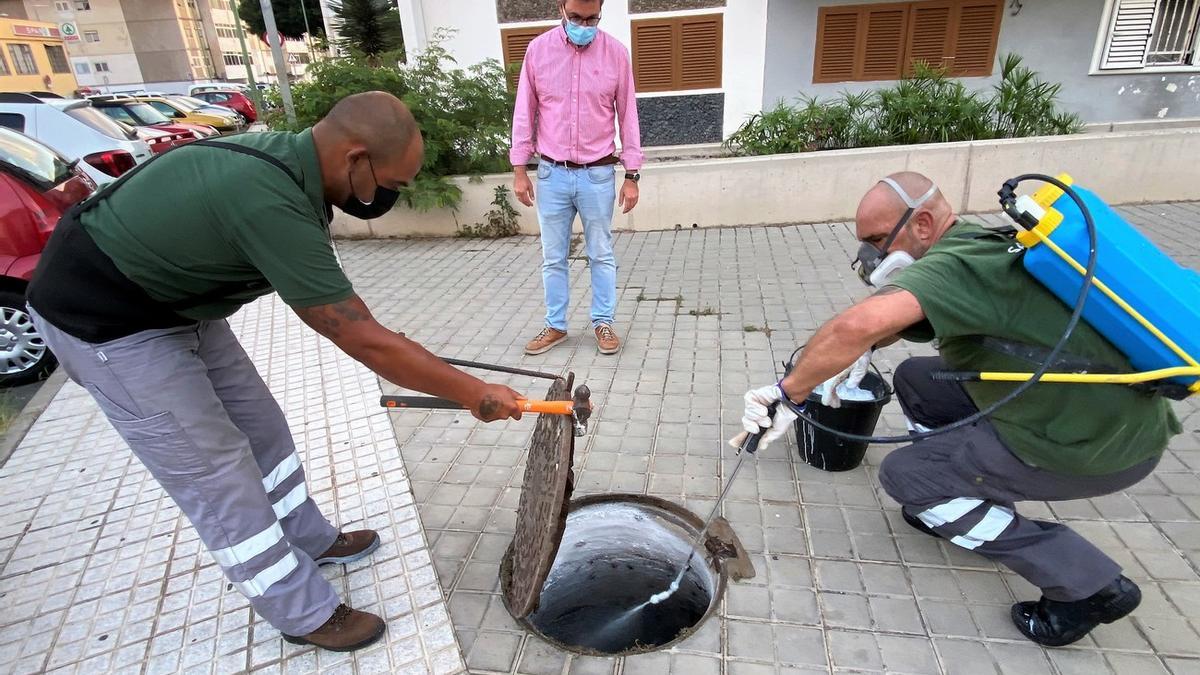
(886, 290)
(329, 320)
(489, 406)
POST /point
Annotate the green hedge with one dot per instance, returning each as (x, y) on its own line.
(928, 107)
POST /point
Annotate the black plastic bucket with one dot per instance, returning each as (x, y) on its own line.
(830, 452)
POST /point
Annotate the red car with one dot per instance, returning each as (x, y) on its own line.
(234, 100)
(37, 185)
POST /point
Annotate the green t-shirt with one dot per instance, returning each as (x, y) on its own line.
(209, 218)
(973, 283)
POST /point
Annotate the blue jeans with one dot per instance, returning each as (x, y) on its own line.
(592, 194)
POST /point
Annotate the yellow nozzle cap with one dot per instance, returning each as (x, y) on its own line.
(1045, 226)
(1048, 194)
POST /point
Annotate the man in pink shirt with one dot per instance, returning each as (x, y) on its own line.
(576, 84)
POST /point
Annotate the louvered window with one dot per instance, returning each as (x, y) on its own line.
(514, 42)
(1148, 33)
(882, 42)
(678, 53)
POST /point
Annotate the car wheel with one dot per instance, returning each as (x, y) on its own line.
(24, 356)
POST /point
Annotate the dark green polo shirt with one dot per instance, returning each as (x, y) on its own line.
(973, 283)
(202, 219)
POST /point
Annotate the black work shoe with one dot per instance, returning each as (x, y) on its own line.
(349, 547)
(347, 630)
(1054, 624)
(916, 524)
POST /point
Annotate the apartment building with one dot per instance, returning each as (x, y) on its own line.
(164, 45)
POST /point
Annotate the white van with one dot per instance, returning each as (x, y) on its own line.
(77, 130)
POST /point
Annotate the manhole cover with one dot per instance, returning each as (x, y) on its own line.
(542, 512)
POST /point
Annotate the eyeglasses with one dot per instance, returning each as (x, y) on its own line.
(589, 21)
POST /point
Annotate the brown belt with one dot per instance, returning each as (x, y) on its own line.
(603, 161)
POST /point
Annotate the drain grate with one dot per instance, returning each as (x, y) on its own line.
(542, 511)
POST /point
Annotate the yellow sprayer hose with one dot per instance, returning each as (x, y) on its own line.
(1095, 378)
(1137, 316)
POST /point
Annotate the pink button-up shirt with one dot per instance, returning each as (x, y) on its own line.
(569, 100)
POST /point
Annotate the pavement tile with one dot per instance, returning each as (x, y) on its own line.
(841, 581)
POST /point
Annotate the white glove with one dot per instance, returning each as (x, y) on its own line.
(756, 418)
(852, 376)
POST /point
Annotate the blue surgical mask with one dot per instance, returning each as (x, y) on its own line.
(580, 35)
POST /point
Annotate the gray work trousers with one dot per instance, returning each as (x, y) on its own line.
(195, 411)
(964, 483)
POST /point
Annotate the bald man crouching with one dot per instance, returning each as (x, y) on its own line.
(946, 279)
(132, 293)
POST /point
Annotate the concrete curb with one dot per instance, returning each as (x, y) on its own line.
(30, 414)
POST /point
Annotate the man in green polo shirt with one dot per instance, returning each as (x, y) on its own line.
(132, 293)
(969, 290)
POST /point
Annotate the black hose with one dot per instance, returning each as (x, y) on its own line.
(1007, 200)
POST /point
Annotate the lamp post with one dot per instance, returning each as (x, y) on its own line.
(246, 62)
(281, 69)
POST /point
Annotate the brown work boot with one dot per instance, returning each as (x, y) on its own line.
(545, 341)
(347, 630)
(349, 547)
(607, 340)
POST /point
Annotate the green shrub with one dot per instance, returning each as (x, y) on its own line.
(928, 107)
(501, 220)
(464, 114)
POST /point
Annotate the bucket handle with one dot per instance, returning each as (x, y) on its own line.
(887, 385)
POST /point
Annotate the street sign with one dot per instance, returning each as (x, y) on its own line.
(70, 32)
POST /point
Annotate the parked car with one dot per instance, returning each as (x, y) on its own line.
(138, 114)
(205, 107)
(37, 185)
(234, 100)
(225, 122)
(217, 86)
(78, 131)
(161, 140)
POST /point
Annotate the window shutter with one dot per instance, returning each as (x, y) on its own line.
(978, 27)
(883, 50)
(1129, 34)
(929, 35)
(837, 44)
(514, 43)
(654, 55)
(700, 52)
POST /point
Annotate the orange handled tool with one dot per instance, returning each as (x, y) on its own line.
(547, 407)
(428, 402)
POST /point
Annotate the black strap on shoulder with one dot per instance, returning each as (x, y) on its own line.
(106, 191)
(224, 290)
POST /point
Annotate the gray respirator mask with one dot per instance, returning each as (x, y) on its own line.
(875, 266)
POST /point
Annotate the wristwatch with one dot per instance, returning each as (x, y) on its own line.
(633, 176)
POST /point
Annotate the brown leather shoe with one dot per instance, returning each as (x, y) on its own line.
(349, 547)
(607, 339)
(545, 341)
(347, 630)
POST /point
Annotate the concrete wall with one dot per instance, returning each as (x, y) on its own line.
(1057, 38)
(1123, 167)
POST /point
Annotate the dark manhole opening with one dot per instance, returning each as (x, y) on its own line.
(616, 552)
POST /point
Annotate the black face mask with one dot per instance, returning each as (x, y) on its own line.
(380, 204)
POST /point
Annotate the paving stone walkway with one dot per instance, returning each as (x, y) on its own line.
(100, 573)
(842, 582)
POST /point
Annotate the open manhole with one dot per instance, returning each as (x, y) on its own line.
(576, 571)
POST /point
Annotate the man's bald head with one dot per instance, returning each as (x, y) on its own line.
(365, 137)
(883, 208)
(379, 121)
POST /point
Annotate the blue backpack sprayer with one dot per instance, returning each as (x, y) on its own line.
(1148, 306)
